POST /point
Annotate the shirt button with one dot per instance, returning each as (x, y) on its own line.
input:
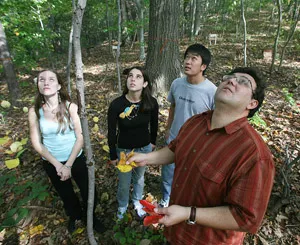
(176, 185)
(184, 169)
(194, 150)
(207, 133)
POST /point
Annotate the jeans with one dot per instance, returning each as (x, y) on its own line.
(167, 173)
(137, 175)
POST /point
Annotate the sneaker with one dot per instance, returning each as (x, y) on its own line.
(163, 204)
(71, 225)
(139, 211)
(98, 226)
(121, 212)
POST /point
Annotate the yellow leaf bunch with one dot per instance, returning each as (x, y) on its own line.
(122, 166)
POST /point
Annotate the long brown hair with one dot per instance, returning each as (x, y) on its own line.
(62, 114)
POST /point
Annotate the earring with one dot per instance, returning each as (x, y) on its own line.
(59, 99)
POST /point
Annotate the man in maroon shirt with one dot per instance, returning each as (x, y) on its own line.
(223, 169)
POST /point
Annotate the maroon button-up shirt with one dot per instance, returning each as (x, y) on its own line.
(230, 166)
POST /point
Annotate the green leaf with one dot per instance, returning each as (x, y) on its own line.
(20, 153)
(22, 213)
(42, 196)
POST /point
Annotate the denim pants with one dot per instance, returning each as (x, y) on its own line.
(65, 189)
(137, 175)
(167, 173)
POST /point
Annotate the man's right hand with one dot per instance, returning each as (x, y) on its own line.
(140, 159)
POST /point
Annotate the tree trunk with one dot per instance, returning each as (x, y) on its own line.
(125, 34)
(192, 20)
(162, 62)
(277, 35)
(197, 27)
(68, 70)
(140, 11)
(245, 32)
(118, 48)
(108, 27)
(9, 71)
(78, 15)
(291, 34)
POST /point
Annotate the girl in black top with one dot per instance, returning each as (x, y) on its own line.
(132, 125)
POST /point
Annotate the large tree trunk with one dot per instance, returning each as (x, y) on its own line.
(78, 15)
(8, 66)
(162, 62)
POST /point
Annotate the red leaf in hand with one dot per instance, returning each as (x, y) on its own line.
(153, 219)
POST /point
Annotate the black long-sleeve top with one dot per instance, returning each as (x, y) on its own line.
(135, 131)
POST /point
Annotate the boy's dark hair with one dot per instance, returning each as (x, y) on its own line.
(202, 51)
(147, 102)
(259, 92)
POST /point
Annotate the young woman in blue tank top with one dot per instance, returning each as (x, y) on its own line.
(56, 134)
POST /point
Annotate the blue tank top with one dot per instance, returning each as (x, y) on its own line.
(60, 145)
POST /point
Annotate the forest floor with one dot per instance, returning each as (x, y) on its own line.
(23, 189)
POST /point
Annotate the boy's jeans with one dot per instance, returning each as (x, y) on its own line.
(167, 173)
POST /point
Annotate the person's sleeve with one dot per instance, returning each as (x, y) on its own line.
(154, 123)
(249, 195)
(170, 97)
(112, 118)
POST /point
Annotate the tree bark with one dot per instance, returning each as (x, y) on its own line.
(118, 48)
(277, 35)
(291, 34)
(162, 62)
(140, 11)
(197, 25)
(70, 54)
(8, 66)
(78, 15)
(245, 32)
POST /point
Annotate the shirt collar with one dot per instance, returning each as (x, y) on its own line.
(230, 128)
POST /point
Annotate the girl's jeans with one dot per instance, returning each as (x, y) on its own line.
(137, 175)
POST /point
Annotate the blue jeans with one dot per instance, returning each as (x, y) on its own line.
(167, 173)
(137, 180)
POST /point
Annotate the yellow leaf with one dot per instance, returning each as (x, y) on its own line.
(105, 148)
(124, 168)
(95, 129)
(36, 230)
(78, 231)
(9, 152)
(16, 146)
(5, 104)
(4, 140)
(24, 141)
(95, 119)
(25, 109)
(13, 163)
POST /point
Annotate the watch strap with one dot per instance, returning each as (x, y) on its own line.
(192, 218)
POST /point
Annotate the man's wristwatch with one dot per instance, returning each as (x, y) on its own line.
(192, 218)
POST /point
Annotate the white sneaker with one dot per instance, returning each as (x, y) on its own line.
(163, 204)
(121, 212)
(139, 210)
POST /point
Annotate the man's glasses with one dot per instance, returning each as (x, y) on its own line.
(240, 80)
